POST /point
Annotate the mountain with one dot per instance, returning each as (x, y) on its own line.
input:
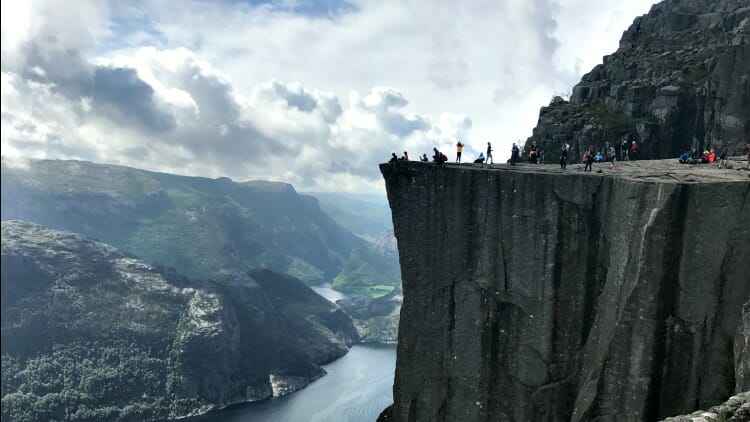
(372, 269)
(679, 80)
(551, 295)
(91, 333)
(202, 227)
(368, 216)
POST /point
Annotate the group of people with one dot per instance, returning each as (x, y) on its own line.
(697, 157)
(438, 157)
(628, 151)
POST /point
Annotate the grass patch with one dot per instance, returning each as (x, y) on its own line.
(379, 290)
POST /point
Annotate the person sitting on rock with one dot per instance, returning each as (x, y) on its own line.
(704, 156)
(533, 155)
(684, 158)
(405, 157)
(479, 159)
(439, 158)
(712, 156)
(424, 158)
(598, 157)
(393, 157)
(634, 148)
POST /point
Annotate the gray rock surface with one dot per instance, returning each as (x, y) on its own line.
(679, 80)
(91, 333)
(536, 294)
(736, 409)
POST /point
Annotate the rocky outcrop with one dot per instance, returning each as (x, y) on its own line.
(90, 333)
(535, 294)
(679, 80)
(376, 319)
(736, 409)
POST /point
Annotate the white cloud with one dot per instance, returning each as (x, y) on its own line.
(213, 88)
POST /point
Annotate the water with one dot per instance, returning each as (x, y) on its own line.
(357, 388)
(327, 292)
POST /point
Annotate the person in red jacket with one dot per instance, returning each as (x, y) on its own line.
(634, 150)
(712, 156)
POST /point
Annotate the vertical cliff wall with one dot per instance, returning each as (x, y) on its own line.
(531, 294)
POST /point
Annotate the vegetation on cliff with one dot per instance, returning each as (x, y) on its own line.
(90, 333)
(202, 227)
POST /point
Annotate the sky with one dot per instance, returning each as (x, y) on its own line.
(313, 93)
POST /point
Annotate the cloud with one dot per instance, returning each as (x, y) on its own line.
(312, 93)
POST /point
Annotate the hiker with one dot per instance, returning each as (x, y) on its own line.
(405, 157)
(564, 157)
(514, 155)
(684, 158)
(533, 156)
(459, 148)
(634, 150)
(624, 151)
(489, 154)
(439, 158)
(598, 157)
(480, 159)
(588, 159)
(393, 157)
(424, 158)
(712, 156)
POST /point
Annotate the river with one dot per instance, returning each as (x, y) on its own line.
(357, 388)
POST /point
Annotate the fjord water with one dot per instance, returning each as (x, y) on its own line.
(357, 388)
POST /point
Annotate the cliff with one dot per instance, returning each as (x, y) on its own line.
(679, 80)
(536, 294)
(91, 333)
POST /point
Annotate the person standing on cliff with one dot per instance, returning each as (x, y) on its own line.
(514, 155)
(624, 151)
(563, 157)
(489, 154)
(588, 160)
(459, 148)
(634, 150)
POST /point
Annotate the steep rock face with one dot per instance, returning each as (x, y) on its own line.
(532, 294)
(680, 80)
(90, 333)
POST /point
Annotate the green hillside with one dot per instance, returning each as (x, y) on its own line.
(202, 227)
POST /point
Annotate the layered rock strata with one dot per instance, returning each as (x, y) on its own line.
(533, 294)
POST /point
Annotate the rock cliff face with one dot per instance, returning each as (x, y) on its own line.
(90, 333)
(680, 79)
(532, 294)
